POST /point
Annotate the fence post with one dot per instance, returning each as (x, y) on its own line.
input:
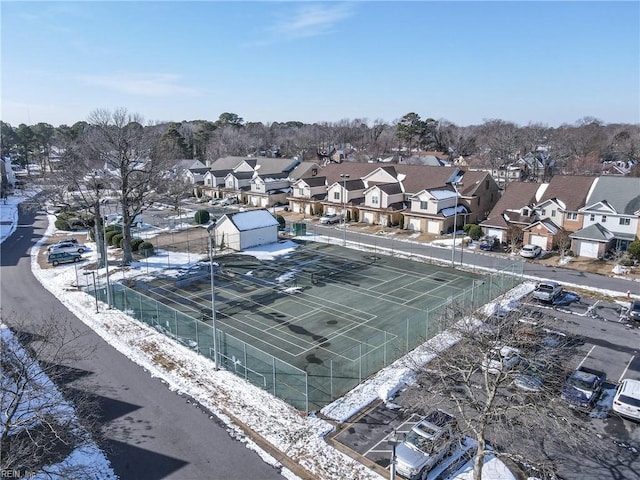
(273, 367)
(331, 378)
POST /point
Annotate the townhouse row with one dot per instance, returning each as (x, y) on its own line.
(421, 198)
(597, 214)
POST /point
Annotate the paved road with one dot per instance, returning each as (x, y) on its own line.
(532, 270)
(151, 432)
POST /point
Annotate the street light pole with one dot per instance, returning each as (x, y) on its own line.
(95, 290)
(211, 232)
(455, 226)
(394, 440)
(345, 177)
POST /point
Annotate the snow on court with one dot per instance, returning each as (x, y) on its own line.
(230, 398)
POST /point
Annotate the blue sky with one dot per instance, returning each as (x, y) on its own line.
(526, 62)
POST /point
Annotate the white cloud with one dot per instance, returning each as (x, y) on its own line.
(148, 84)
(312, 20)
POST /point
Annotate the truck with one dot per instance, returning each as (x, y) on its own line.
(583, 387)
(426, 444)
(547, 291)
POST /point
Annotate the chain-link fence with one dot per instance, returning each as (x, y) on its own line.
(318, 384)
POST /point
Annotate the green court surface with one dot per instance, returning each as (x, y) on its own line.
(333, 314)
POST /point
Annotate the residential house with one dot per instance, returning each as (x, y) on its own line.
(537, 166)
(506, 174)
(611, 217)
(557, 210)
(242, 230)
(383, 204)
(513, 212)
(307, 195)
(343, 196)
(432, 211)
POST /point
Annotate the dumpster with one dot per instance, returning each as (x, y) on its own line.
(299, 228)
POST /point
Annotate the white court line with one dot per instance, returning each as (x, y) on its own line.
(626, 368)
(586, 356)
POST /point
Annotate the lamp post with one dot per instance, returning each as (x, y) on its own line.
(95, 290)
(455, 226)
(345, 177)
(394, 440)
(212, 244)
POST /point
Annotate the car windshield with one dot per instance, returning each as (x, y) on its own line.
(635, 306)
(419, 441)
(582, 382)
(634, 402)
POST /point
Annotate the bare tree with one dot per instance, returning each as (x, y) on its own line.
(563, 241)
(475, 380)
(41, 426)
(119, 139)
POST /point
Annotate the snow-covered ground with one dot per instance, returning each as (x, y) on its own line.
(299, 437)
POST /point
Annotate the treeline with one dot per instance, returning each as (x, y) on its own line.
(493, 143)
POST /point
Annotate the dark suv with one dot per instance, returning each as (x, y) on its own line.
(634, 310)
(57, 258)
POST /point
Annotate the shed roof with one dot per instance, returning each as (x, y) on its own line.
(252, 220)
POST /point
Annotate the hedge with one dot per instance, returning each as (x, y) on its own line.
(62, 224)
(146, 249)
(115, 240)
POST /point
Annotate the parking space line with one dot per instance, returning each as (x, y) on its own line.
(586, 356)
(626, 368)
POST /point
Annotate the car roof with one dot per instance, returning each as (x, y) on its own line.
(630, 387)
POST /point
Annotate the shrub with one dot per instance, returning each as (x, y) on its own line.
(115, 240)
(634, 249)
(62, 224)
(570, 253)
(281, 222)
(466, 227)
(474, 231)
(135, 244)
(109, 235)
(627, 262)
(111, 228)
(146, 249)
(202, 217)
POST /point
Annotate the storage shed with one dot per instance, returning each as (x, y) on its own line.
(242, 230)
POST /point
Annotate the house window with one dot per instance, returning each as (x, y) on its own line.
(314, 172)
(486, 184)
(301, 192)
(592, 218)
(525, 212)
(572, 216)
(625, 221)
(336, 195)
(543, 212)
(424, 205)
(553, 213)
(604, 219)
(375, 200)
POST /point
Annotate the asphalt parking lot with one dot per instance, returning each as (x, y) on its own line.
(611, 344)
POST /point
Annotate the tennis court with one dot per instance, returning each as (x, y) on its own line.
(311, 324)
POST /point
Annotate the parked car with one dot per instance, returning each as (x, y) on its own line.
(626, 401)
(634, 310)
(428, 442)
(532, 377)
(488, 243)
(66, 240)
(583, 387)
(530, 251)
(501, 359)
(56, 258)
(330, 218)
(67, 247)
(547, 291)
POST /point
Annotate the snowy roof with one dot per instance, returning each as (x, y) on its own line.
(450, 211)
(442, 194)
(252, 220)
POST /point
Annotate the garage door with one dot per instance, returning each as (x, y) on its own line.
(588, 249)
(367, 217)
(538, 240)
(414, 224)
(495, 232)
(433, 227)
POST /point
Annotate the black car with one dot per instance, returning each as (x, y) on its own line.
(634, 310)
